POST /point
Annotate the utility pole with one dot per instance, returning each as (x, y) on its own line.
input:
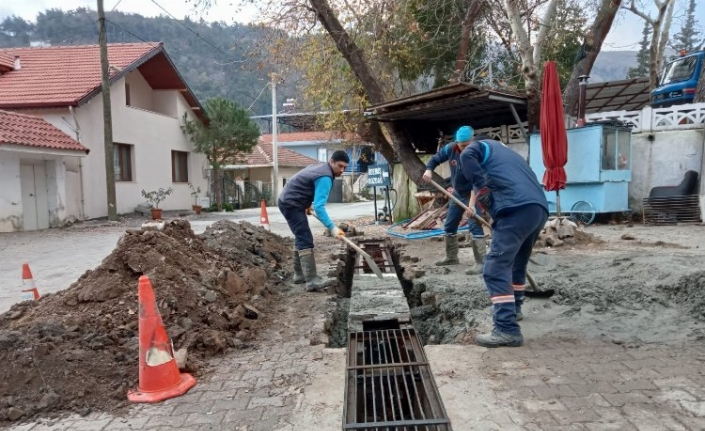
(107, 116)
(275, 161)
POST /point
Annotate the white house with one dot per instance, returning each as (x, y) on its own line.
(149, 98)
(35, 160)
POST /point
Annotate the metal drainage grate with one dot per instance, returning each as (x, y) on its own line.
(389, 385)
(379, 251)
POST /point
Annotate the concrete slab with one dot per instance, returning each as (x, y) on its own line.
(468, 392)
(373, 299)
(321, 404)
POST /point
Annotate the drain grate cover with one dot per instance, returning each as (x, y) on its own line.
(389, 385)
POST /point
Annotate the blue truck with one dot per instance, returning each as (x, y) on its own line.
(679, 81)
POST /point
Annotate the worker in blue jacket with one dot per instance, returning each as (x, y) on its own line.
(451, 153)
(305, 193)
(501, 181)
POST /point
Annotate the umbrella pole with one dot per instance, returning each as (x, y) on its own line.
(558, 204)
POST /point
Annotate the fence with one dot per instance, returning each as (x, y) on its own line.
(679, 117)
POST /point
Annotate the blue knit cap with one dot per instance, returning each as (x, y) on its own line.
(464, 134)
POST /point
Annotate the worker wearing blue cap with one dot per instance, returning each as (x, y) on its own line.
(504, 184)
(451, 153)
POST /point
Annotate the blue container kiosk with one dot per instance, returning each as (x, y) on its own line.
(598, 171)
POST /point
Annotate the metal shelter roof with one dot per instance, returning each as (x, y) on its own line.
(454, 104)
(625, 95)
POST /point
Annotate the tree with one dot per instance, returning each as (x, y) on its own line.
(642, 57)
(688, 39)
(660, 28)
(228, 133)
(590, 48)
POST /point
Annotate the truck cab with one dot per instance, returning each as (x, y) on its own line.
(679, 81)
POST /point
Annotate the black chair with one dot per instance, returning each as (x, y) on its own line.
(689, 186)
(674, 204)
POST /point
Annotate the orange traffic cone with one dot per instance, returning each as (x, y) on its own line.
(159, 375)
(29, 290)
(264, 218)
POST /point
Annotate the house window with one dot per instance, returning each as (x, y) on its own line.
(127, 95)
(322, 155)
(122, 162)
(179, 166)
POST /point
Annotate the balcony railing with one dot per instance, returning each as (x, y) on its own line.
(679, 117)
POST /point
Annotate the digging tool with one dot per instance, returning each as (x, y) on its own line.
(535, 292)
(370, 262)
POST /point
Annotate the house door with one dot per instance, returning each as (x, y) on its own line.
(35, 205)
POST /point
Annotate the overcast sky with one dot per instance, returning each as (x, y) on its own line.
(625, 34)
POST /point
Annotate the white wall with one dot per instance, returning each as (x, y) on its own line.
(153, 137)
(663, 161)
(10, 192)
(141, 94)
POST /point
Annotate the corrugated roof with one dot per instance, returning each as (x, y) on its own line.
(21, 129)
(59, 76)
(625, 95)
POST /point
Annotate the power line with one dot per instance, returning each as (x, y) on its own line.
(179, 62)
(198, 35)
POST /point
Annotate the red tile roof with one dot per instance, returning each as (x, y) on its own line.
(21, 129)
(312, 136)
(7, 62)
(64, 75)
(261, 155)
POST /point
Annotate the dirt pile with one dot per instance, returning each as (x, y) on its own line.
(688, 291)
(77, 350)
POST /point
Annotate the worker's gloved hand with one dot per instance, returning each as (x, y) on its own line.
(309, 210)
(484, 198)
(337, 233)
(427, 175)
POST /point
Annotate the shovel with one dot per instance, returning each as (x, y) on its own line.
(370, 262)
(535, 292)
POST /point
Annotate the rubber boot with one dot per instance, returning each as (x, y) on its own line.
(451, 252)
(298, 272)
(308, 265)
(499, 339)
(479, 251)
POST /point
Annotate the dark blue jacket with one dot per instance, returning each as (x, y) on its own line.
(300, 189)
(491, 164)
(449, 153)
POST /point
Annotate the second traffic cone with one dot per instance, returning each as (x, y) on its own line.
(29, 290)
(159, 375)
(264, 218)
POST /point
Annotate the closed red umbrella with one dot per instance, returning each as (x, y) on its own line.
(554, 140)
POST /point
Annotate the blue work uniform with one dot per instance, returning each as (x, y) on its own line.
(451, 153)
(519, 211)
(309, 186)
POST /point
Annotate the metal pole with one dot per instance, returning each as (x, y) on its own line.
(107, 116)
(275, 158)
(375, 193)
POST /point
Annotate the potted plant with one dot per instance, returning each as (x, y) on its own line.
(196, 193)
(154, 197)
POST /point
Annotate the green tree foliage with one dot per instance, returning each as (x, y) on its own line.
(688, 38)
(227, 135)
(565, 37)
(235, 67)
(643, 56)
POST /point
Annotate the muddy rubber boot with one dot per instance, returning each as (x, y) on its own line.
(479, 250)
(452, 248)
(499, 339)
(298, 272)
(308, 265)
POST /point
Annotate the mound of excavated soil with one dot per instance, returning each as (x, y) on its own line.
(77, 350)
(689, 291)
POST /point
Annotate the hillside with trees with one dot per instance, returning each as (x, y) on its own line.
(217, 60)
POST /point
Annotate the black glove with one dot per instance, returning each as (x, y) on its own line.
(484, 198)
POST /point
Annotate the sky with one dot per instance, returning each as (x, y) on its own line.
(625, 34)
